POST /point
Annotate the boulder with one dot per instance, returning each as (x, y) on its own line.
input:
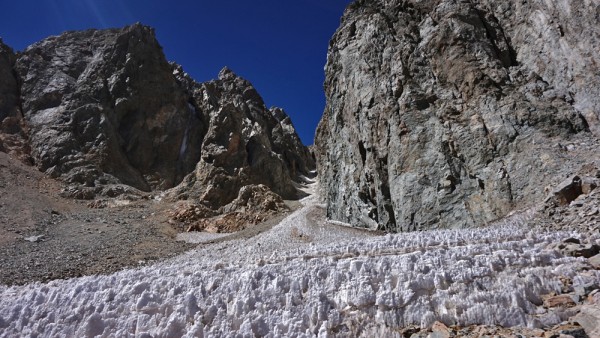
(559, 301)
(595, 261)
(589, 319)
(254, 204)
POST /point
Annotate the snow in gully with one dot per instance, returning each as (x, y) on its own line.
(307, 278)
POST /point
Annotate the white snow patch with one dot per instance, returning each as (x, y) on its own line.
(277, 284)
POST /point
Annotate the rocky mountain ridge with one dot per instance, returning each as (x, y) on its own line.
(103, 111)
(444, 114)
(437, 117)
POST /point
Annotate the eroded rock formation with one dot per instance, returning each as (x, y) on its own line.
(104, 108)
(245, 143)
(452, 114)
(8, 85)
(105, 111)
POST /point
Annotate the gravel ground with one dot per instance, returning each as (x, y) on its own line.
(45, 237)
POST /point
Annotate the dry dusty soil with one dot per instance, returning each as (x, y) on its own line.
(45, 237)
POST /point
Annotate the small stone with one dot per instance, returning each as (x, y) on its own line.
(576, 332)
(34, 239)
(537, 332)
(579, 250)
(439, 330)
(595, 261)
(564, 301)
(594, 297)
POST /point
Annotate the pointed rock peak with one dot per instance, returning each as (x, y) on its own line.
(139, 28)
(226, 73)
(4, 48)
(278, 113)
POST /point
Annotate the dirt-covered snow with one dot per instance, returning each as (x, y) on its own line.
(308, 277)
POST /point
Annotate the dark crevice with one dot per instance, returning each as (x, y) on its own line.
(352, 30)
(374, 215)
(18, 93)
(371, 103)
(450, 154)
(586, 126)
(386, 194)
(363, 152)
(251, 151)
(507, 57)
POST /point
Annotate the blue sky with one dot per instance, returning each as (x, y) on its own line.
(278, 45)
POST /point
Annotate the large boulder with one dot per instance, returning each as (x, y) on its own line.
(446, 114)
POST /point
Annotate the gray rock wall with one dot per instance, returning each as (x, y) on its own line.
(8, 85)
(13, 132)
(104, 108)
(452, 114)
(245, 144)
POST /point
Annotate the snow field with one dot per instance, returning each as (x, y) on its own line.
(341, 283)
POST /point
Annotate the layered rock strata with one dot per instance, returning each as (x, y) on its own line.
(445, 114)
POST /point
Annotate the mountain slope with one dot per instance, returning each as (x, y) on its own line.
(103, 108)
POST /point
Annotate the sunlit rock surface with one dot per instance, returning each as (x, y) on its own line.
(104, 108)
(445, 114)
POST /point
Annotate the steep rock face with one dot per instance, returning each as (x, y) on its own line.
(287, 143)
(245, 144)
(104, 107)
(13, 134)
(442, 114)
(8, 85)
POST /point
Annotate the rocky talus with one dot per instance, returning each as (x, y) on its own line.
(444, 114)
(104, 112)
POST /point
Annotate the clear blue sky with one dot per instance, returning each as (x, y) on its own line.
(278, 45)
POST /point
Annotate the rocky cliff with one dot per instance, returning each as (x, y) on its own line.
(103, 107)
(245, 143)
(450, 114)
(13, 134)
(103, 111)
